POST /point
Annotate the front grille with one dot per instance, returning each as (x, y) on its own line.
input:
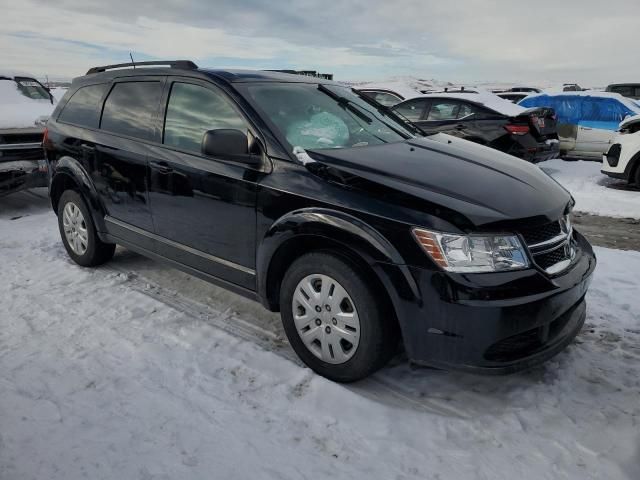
(549, 259)
(527, 343)
(13, 138)
(541, 234)
(548, 246)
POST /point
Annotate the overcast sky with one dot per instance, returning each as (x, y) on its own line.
(588, 41)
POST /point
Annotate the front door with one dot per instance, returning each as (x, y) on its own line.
(204, 209)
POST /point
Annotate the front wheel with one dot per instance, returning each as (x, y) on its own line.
(334, 319)
(78, 232)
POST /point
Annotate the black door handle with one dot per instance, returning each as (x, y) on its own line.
(460, 126)
(162, 167)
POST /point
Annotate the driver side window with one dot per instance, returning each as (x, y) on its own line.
(192, 110)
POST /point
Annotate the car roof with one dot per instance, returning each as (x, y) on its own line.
(483, 98)
(224, 75)
(11, 74)
(590, 93)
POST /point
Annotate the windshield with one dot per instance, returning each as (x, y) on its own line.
(30, 88)
(312, 116)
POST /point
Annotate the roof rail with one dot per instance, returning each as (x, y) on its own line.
(182, 64)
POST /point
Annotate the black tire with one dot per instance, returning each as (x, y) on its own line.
(636, 177)
(97, 252)
(378, 339)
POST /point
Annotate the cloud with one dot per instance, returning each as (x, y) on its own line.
(465, 40)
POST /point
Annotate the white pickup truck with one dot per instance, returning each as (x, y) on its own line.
(25, 106)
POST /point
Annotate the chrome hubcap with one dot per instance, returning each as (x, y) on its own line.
(326, 318)
(75, 228)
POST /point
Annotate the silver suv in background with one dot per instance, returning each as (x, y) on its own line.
(25, 106)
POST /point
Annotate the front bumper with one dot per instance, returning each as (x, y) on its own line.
(19, 175)
(496, 322)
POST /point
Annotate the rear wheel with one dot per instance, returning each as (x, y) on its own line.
(333, 318)
(78, 232)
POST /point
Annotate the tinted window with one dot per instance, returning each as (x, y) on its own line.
(83, 108)
(465, 110)
(192, 110)
(443, 110)
(412, 110)
(129, 109)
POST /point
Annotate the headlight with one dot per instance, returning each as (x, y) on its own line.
(473, 253)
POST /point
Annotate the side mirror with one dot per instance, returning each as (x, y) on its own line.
(228, 144)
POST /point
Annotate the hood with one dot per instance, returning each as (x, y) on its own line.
(629, 120)
(479, 183)
(18, 111)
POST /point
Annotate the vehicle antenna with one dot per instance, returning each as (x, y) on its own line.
(132, 62)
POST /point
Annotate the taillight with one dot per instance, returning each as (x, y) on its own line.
(46, 143)
(517, 129)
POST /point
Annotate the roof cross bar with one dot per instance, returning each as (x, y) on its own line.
(182, 64)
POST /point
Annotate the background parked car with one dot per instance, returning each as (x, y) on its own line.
(388, 98)
(485, 118)
(25, 105)
(587, 121)
(623, 158)
(630, 90)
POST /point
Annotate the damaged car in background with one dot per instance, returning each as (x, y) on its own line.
(483, 117)
(587, 120)
(25, 106)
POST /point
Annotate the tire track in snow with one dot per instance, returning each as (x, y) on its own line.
(381, 387)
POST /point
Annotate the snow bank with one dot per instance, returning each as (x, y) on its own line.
(593, 191)
(18, 111)
(106, 373)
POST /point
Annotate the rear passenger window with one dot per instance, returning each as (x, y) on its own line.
(443, 110)
(412, 111)
(129, 109)
(192, 110)
(83, 108)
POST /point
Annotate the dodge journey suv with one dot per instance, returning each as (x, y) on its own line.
(324, 205)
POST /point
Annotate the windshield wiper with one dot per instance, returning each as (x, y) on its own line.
(346, 103)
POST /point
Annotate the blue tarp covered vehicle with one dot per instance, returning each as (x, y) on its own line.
(587, 121)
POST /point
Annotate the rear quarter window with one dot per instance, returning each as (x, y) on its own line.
(130, 108)
(83, 108)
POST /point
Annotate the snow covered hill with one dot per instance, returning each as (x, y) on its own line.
(134, 370)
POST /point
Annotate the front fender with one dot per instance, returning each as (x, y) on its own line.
(68, 169)
(352, 234)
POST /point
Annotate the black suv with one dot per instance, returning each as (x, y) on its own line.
(320, 203)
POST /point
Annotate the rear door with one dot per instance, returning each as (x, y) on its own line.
(204, 208)
(120, 172)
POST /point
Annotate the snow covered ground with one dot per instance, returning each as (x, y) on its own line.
(134, 370)
(593, 191)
